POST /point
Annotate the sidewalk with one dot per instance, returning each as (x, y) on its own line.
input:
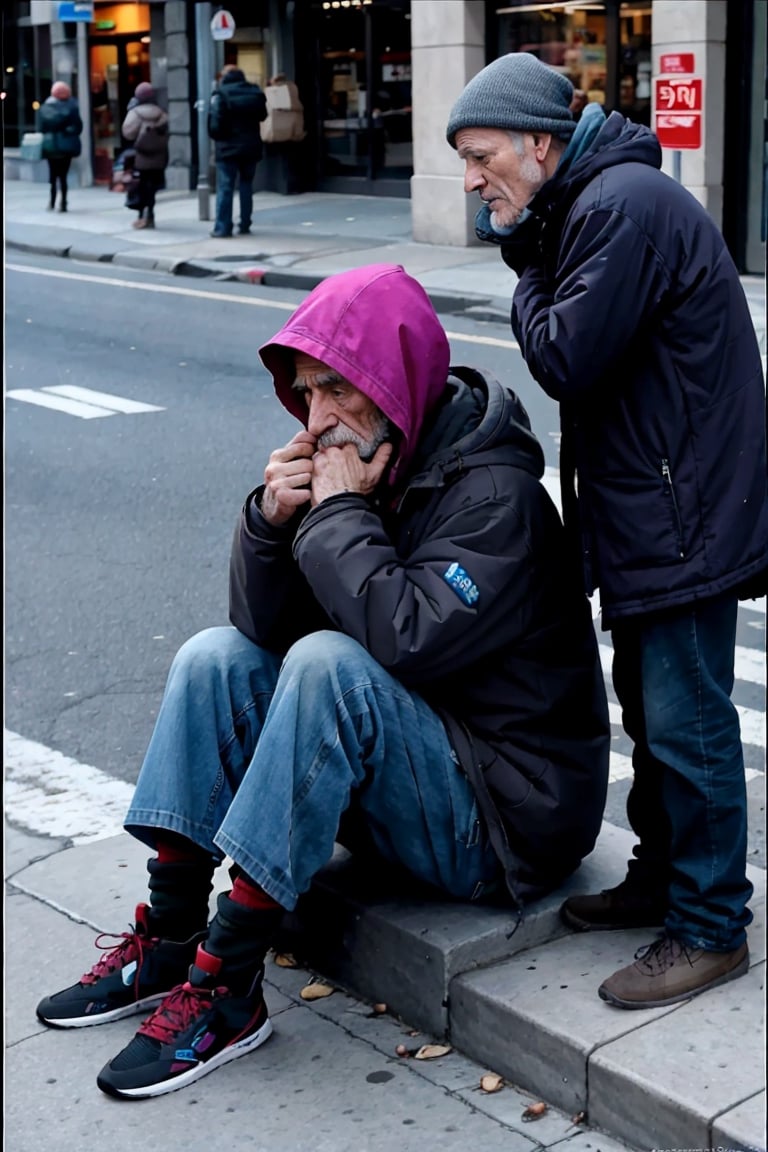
(296, 242)
(691, 1076)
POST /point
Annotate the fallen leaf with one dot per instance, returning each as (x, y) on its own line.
(285, 960)
(401, 1050)
(579, 1118)
(491, 1082)
(432, 1051)
(316, 991)
(414, 1033)
(379, 1009)
(535, 1111)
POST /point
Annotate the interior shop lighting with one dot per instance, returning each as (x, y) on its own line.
(566, 6)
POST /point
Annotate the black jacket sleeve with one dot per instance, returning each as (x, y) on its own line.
(573, 325)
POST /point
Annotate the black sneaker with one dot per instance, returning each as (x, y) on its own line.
(132, 977)
(615, 908)
(197, 1028)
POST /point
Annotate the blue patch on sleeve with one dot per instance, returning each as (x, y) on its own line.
(462, 584)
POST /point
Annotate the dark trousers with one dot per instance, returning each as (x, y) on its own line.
(228, 174)
(57, 174)
(673, 675)
(149, 183)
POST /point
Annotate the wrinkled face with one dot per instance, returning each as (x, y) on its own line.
(339, 413)
(507, 170)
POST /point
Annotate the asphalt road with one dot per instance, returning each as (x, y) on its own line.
(118, 529)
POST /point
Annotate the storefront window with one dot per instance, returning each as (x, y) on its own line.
(603, 48)
(365, 90)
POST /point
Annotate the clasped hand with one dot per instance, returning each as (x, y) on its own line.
(300, 473)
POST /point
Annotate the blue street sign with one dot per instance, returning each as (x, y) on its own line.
(76, 10)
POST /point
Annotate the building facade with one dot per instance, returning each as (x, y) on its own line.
(377, 78)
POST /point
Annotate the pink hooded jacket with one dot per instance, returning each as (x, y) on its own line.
(377, 328)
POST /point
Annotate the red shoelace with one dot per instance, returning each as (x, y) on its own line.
(180, 1007)
(131, 947)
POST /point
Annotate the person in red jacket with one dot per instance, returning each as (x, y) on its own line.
(412, 670)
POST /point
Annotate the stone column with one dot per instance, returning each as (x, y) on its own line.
(172, 71)
(447, 49)
(697, 26)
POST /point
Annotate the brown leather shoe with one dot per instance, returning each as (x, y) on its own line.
(668, 971)
(614, 908)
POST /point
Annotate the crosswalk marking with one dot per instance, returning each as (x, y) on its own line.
(58, 403)
(81, 402)
(106, 399)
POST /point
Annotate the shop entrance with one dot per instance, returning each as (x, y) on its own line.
(363, 67)
(117, 65)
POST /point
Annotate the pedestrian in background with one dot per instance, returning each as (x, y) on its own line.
(61, 126)
(237, 109)
(629, 311)
(412, 671)
(146, 127)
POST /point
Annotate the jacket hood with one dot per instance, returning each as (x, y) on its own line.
(478, 416)
(377, 328)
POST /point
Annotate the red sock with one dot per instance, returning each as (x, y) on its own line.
(174, 849)
(250, 895)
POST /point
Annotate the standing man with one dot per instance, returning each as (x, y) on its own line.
(409, 650)
(237, 109)
(630, 313)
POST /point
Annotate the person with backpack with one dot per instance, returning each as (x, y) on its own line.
(237, 109)
(411, 670)
(146, 128)
(61, 126)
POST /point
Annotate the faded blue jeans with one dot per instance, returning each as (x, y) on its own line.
(257, 759)
(227, 174)
(673, 675)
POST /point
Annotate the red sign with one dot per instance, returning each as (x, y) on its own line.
(678, 112)
(678, 95)
(676, 62)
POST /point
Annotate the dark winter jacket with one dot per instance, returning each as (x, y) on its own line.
(146, 127)
(237, 109)
(61, 126)
(454, 578)
(630, 312)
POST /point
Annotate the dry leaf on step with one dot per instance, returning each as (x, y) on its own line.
(432, 1051)
(316, 991)
(490, 1082)
(535, 1111)
(285, 960)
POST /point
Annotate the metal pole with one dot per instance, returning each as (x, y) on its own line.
(84, 100)
(677, 158)
(204, 54)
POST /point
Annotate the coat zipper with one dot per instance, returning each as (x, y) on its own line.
(667, 477)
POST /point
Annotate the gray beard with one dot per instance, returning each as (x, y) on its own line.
(366, 448)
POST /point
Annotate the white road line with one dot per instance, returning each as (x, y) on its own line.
(51, 794)
(227, 297)
(58, 403)
(105, 399)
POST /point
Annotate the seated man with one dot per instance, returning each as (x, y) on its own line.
(410, 650)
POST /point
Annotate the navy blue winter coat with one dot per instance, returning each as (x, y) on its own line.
(61, 125)
(237, 109)
(629, 311)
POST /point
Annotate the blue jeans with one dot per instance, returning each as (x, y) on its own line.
(258, 759)
(227, 174)
(673, 675)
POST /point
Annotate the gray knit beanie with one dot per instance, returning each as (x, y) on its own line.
(517, 93)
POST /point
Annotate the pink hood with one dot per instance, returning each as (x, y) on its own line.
(376, 327)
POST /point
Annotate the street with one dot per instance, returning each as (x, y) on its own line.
(118, 522)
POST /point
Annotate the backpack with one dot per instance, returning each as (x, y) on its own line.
(152, 138)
